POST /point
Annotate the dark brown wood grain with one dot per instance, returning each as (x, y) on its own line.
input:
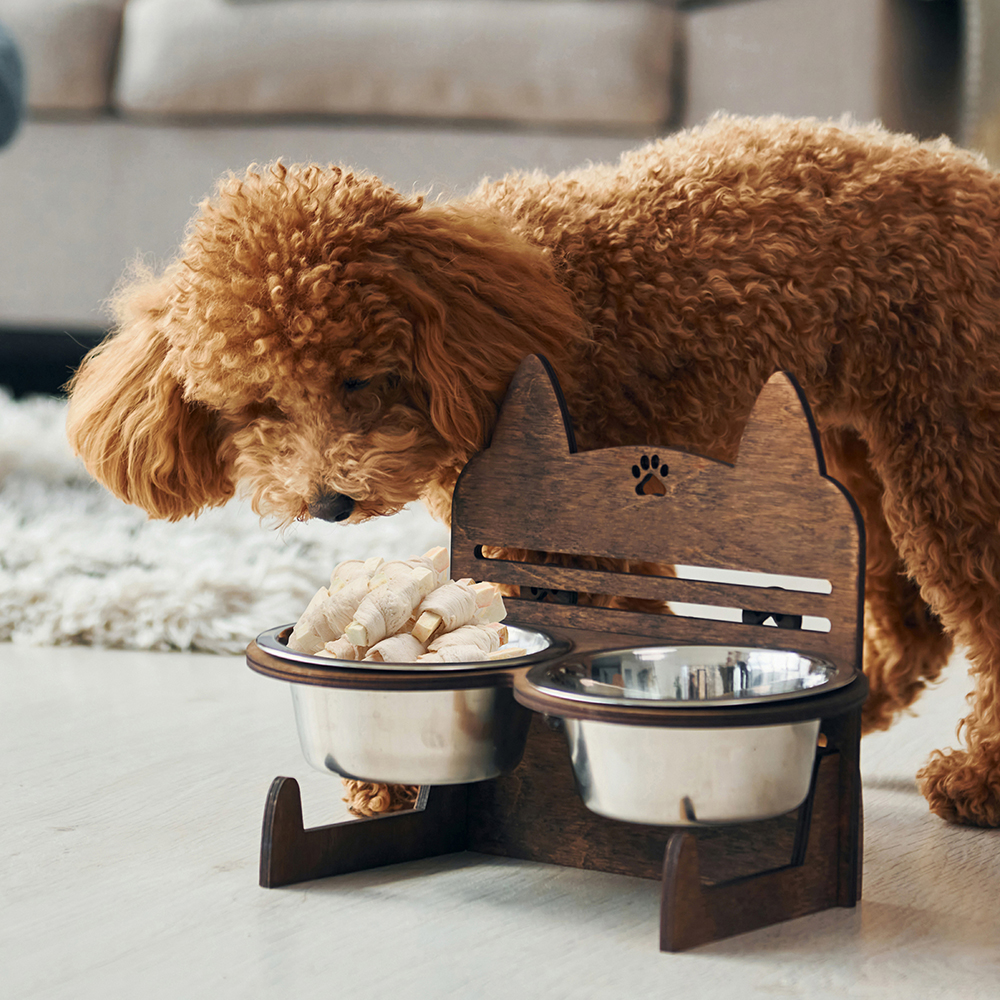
(652, 587)
(775, 511)
(289, 853)
(645, 629)
(693, 913)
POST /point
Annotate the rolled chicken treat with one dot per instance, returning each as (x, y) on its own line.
(454, 654)
(331, 610)
(399, 648)
(468, 653)
(351, 569)
(452, 605)
(312, 629)
(507, 652)
(341, 606)
(436, 560)
(343, 649)
(388, 607)
(495, 611)
(394, 570)
(406, 575)
(488, 637)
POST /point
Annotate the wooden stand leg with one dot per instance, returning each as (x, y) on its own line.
(289, 853)
(693, 913)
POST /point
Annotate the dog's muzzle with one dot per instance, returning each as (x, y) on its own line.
(331, 507)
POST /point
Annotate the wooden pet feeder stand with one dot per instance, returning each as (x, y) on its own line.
(775, 511)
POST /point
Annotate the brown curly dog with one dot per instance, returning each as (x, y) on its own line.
(341, 350)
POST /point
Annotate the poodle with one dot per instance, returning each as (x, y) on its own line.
(340, 349)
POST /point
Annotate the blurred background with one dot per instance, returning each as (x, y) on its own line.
(117, 116)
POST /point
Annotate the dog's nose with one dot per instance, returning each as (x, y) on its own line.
(331, 507)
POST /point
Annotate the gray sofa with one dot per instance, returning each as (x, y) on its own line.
(137, 106)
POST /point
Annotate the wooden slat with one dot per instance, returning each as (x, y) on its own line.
(837, 645)
(664, 588)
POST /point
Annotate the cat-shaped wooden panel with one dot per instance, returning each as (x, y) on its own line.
(775, 512)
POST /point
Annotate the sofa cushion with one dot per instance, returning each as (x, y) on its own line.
(68, 49)
(895, 61)
(570, 61)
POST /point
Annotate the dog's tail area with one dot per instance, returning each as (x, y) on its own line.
(129, 422)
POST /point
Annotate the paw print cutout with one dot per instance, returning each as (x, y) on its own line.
(650, 474)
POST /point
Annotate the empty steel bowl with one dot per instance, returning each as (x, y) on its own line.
(689, 735)
(406, 724)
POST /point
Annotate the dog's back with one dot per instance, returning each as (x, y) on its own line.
(710, 259)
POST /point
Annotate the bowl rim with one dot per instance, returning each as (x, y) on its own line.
(270, 641)
(540, 678)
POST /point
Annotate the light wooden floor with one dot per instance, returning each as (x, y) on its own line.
(132, 792)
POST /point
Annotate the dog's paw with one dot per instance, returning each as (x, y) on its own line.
(962, 787)
(650, 474)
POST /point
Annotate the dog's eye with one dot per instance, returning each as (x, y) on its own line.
(353, 384)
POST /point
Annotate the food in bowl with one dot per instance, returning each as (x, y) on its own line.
(403, 611)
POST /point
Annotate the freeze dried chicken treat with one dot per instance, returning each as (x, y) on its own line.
(342, 649)
(400, 648)
(468, 653)
(351, 569)
(435, 560)
(457, 603)
(488, 637)
(328, 615)
(389, 605)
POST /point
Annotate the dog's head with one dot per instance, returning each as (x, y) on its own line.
(335, 347)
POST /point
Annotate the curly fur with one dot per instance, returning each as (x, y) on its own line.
(322, 333)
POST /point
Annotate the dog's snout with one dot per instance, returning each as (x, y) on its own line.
(331, 507)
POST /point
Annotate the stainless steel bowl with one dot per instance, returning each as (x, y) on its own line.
(404, 724)
(672, 735)
(411, 737)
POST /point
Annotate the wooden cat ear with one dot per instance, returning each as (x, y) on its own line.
(780, 437)
(533, 419)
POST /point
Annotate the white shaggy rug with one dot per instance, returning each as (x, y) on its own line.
(79, 566)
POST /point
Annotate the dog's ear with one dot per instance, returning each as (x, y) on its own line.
(480, 299)
(136, 433)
